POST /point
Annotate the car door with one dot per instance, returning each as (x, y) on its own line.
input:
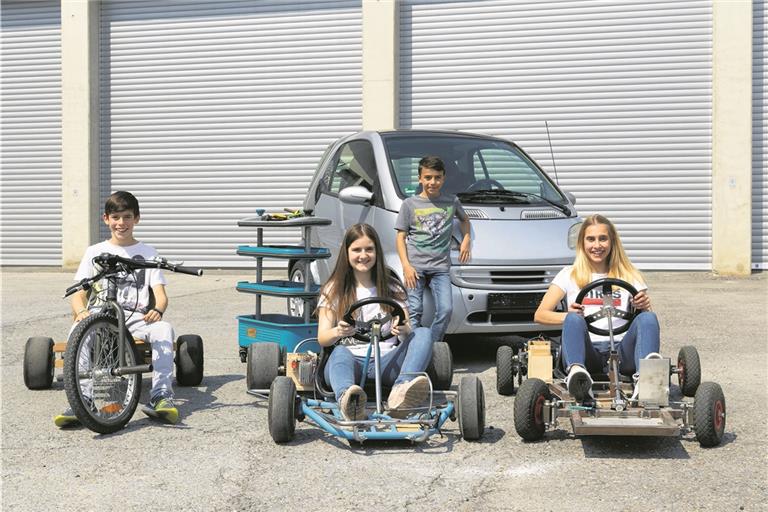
(352, 165)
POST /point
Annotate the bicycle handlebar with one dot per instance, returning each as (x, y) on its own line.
(112, 263)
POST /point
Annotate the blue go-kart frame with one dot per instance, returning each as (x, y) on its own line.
(286, 406)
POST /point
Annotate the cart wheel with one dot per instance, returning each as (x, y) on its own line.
(282, 409)
(529, 409)
(505, 370)
(471, 408)
(189, 360)
(263, 364)
(299, 273)
(689, 370)
(38, 363)
(440, 369)
(709, 414)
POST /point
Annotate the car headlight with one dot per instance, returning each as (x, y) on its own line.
(573, 235)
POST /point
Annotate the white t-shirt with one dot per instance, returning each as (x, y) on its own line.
(368, 312)
(593, 301)
(133, 289)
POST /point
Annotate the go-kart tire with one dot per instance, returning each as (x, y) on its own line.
(471, 408)
(689, 370)
(299, 273)
(263, 364)
(281, 412)
(529, 409)
(709, 414)
(440, 369)
(39, 362)
(189, 360)
(505, 370)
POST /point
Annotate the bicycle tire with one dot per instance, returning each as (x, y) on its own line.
(113, 399)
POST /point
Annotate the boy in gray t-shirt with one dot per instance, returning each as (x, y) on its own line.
(424, 226)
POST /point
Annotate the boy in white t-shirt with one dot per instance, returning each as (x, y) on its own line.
(599, 254)
(142, 318)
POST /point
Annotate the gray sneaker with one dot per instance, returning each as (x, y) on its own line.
(408, 395)
(352, 403)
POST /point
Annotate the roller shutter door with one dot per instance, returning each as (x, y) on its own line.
(30, 181)
(759, 136)
(213, 109)
(624, 86)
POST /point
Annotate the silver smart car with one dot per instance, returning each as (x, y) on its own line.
(524, 227)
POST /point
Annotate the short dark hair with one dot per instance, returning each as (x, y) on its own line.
(432, 162)
(121, 201)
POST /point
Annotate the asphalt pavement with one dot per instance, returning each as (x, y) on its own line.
(220, 457)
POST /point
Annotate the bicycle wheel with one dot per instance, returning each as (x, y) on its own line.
(103, 402)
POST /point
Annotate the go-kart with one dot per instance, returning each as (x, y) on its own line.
(286, 406)
(111, 361)
(621, 407)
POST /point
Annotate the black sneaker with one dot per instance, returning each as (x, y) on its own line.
(162, 408)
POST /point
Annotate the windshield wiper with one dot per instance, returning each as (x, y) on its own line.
(501, 194)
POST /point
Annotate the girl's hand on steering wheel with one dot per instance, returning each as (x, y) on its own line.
(344, 330)
(642, 301)
(397, 330)
(576, 308)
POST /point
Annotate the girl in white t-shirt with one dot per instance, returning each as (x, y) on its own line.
(599, 254)
(360, 272)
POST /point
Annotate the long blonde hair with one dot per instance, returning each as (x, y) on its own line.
(619, 265)
(340, 291)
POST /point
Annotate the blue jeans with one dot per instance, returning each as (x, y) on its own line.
(412, 355)
(440, 285)
(641, 339)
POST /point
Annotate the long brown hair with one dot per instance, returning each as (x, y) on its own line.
(340, 289)
(619, 265)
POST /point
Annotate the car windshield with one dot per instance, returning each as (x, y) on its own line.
(473, 165)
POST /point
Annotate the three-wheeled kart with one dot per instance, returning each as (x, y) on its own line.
(621, 407)
(286, 405)
(43, 356)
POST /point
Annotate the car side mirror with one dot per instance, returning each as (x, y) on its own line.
(571, 197)
(355, 195)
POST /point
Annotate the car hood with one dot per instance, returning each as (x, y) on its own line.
(508, 241)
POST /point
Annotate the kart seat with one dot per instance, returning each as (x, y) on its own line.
(324, 389)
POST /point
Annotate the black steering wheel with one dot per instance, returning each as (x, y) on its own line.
(607, 285)
(363, 329)
(485, 184)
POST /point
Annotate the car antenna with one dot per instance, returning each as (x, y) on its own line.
(552, 153)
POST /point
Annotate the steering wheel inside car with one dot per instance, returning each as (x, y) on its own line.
(607, 285)
(363, 329)
(485, 184)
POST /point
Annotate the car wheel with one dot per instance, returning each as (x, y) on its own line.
(299, 273)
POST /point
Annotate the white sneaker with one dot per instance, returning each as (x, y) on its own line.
(579, 383)
(408, 395)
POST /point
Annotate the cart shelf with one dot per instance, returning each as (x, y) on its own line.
(276, 288)
(283, 251)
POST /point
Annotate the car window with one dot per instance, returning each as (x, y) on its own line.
(470, 164)
(353, 165)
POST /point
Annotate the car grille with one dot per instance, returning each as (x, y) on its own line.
(504, 278)
(474, 213)
(545, 213)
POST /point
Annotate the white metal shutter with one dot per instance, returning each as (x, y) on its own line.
(30, 181)
(213, 109)
(625, 87)
(759, 135)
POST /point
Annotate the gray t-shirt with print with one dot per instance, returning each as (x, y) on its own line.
(428, 225)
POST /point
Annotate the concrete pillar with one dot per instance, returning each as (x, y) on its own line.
(79, 128)
(380, 64)
(732, 137)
